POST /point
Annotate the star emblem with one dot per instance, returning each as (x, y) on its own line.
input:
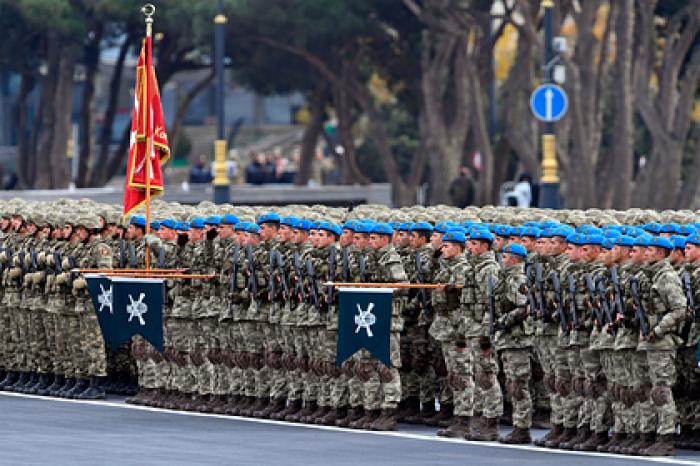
(105, 299)
(365, 319)
(137, 308)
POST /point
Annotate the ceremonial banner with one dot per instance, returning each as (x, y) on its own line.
(147, 121)
(364, 321)
(138, 309)
(100, 288)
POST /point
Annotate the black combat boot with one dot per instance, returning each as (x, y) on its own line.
(80, 386)
(427, 412)
(27, 387)
(95, 391)
(293, 407)
(67, 386)
(20, 382)
(45, 381)
(9, 380)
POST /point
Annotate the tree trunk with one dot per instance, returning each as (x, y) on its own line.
(317, 104)
(622, 152)
(45, 130)
(87, 110)
(63, 109)
(481, 139)
(100, 172)
(24, 153)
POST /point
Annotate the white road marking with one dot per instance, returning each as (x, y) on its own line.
(398, 434)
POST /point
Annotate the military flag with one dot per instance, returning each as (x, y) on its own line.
(138, 310)
(128, 306)
(100, 288)
(148, 148)
(364, 321)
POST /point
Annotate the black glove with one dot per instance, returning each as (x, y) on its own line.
(211, 234)
(182, 240)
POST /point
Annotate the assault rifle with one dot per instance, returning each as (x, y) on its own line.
(572, 302)
(618, 309)
(490, 292)
(299, 279)
(282, 274)
(422, 294)
(253, 278)
(607, 308)
(311, 274)
(563, 321)
(332, 259)
(639, 311)
(597, 313)
(690, 299)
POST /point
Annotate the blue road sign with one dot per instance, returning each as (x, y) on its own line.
(549, 103)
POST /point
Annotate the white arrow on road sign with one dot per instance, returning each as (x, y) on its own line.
(549, 103)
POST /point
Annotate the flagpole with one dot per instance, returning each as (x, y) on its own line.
(148, 10)
(429, 286)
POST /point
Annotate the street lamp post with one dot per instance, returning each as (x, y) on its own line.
(221, 181)
(549, 185)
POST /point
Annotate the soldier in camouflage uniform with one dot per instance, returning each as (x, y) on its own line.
(513, 339)
(488, 400)
(382, 392)
(688, 375)
(554, 261)
(417, 316)
(665, 315)
(584, 363)
(455, 271)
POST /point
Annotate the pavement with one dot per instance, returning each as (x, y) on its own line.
(41, 431)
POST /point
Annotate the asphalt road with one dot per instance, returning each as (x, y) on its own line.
(41, 431)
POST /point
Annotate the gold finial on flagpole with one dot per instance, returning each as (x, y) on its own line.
(148, 10)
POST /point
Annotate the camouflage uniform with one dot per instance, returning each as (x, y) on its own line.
(444, 329)
(513, 341)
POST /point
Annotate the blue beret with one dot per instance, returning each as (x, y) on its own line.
(350, 225)
(515, 248)
(168, 223)
(270, 217)
(546, 233)
(653, 227)
(337, 229)
(516, 231)
(241, 226)
(442, 227)
(394, 225)
(479, 233)
(197, 223)
(612, 233)
(253, 228)
(155, 225)
(213, 220)
(563, 231)
(291, 222)
(138, 221)
(502, 230)
(532, 232)
(670, 228)
(624, 240)
(686, 229)
(422, 226)
(693, 239)
(382, 229)
(549, 224)
(363, 227)
(454, 236)
(404, 226)
(328, 226)
(182, 226)
(678, 241)
(596, 240)
(643, 240)
(304, 225)
(661, 242)
(608, 243)
(575, 238)
(230, 219)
